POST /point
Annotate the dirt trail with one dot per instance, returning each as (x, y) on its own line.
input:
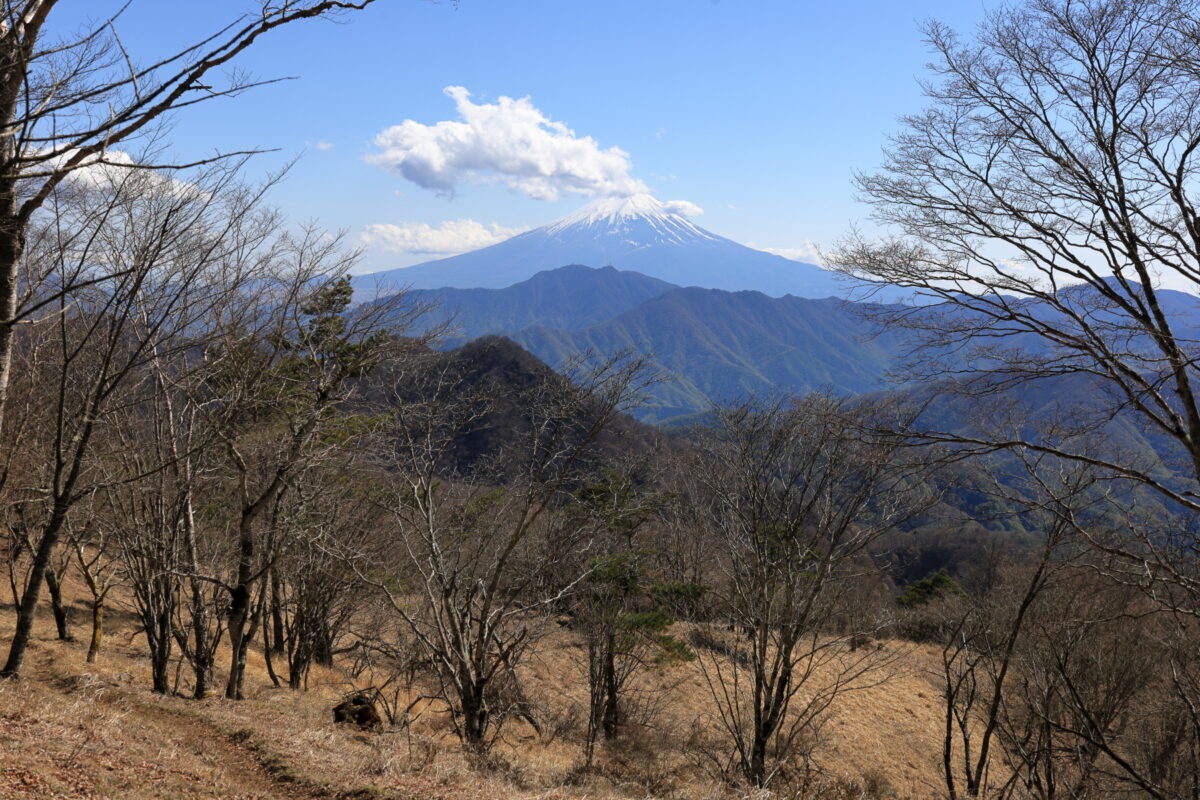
(234, 754)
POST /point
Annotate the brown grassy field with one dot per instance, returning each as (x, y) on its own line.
(73, 730)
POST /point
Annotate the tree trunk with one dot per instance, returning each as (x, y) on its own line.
(239, 618)
(243, 618)
(323, 647)
(757, 772)
(277, 630)
(11, 248)
(239, 605)
(475, 716)
(61, 622)
(33, 587)
(202, 648)
(268, 649)
(611, 718)
(97, 630)
(159, 637)
(160, 663)
(204, 676)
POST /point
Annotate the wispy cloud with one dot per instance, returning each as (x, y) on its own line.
(808, 252)
(685, 208)
(449, 238)
(510, 142)
(322, 145)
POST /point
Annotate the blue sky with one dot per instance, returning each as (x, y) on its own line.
(756, 111)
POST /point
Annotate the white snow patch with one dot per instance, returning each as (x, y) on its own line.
(617, 213)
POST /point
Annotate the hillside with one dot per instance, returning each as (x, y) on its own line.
(1072, 410)
(76, 731)
(510, 381)
(720, 346)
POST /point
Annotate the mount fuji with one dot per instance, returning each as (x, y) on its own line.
(631, 233)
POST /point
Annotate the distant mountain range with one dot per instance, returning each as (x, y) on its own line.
(631, 233)
(568, 298)
(723, 346)
(721, 320)
(713, 345)
(716, 341)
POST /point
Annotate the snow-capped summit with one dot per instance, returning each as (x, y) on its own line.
(613, 209)
(624, 213)
(637, 232)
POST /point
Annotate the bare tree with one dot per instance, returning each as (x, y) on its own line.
(67, 103)
(97, 562)
(622, 615)
(985, 635)
(163, 463)
(146, 525)
(163, 240)
(476, 558)
(313, 598)
(793, 493)
(284, 391)
(1043, 204)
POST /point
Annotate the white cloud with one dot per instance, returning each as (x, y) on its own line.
(807, 252)
(684, 208)
(322, 145)
(510, 142)
(449, 238)
(110, 170)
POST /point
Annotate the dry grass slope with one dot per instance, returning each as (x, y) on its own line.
(73, 730)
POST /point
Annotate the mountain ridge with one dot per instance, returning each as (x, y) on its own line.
(713, 345)
(569, 298)
(722, 346)
(637, 233)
